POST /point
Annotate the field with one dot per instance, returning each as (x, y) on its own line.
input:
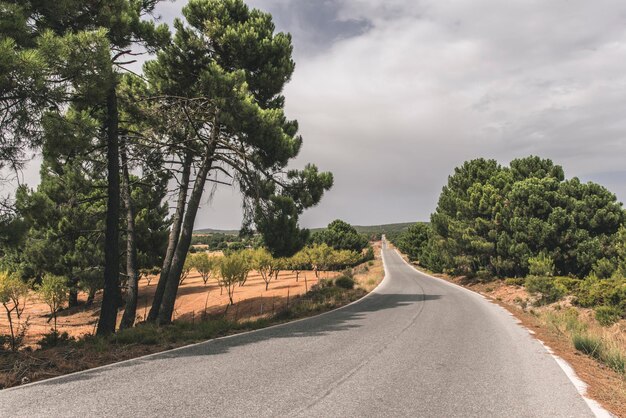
(194, 300)
(362, 229)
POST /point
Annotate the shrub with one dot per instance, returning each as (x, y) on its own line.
(549, 290)
(345, 282)
(484, 275)
(541, 265)
(518, 281)
(604, 268)
(54, 339)
(594, 347)
(588, 344)
(595, 292)
(567, 283)
(607, 315)
(369, 254)
(13, 294)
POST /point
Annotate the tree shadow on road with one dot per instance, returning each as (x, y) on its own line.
(348, 318)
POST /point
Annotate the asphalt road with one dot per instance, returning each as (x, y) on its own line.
(417, 346)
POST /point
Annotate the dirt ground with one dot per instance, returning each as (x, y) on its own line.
(194, 299)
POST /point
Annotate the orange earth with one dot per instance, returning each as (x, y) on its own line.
(194, 300)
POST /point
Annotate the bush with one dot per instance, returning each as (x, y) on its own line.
(595, 292)
(547, 287)
(567, 283)
(369, 254)
(604, 268)
(484, 275)
(594, 347)
(54, 292)
(345, 282)
(541, 265)
(607, 315)
(518, 281)
(588, 344)
(54, 339)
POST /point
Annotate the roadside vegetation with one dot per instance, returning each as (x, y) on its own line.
(59, 353)
(529, 225)
(541, 245)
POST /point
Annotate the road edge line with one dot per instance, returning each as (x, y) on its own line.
(581, 387)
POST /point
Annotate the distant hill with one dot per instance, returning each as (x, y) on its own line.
(363, 229)
(207, 231)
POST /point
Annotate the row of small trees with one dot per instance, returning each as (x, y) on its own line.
(230, 271)
(233, 269)
(53, 290)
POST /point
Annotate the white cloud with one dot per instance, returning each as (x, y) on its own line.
(392, 95)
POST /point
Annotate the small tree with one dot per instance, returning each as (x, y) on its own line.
(278, 265)
(13, 294)
(149, 274)
(542, 265)
(187, 266)
(321, 257)
(54, 292)
(344, 258)
(233, 269)
(264, 264)
(297, 263)
(204, 264)
(248, 256)
(91, 281)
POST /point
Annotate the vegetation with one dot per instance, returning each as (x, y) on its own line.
(606, 347)
(13, 294)
(528, 223)
(115, 145)
(341, 236)
(54, 291)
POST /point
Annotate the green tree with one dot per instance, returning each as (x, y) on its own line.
(340, 235)
(53, 290)
(13, 294)
(223, 74)
(205, 265)
(493, 219)
(263, 263)
(233, 269)
(413, 241)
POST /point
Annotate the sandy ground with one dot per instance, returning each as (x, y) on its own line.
(194, 300)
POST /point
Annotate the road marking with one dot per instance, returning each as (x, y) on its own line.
(581, 387)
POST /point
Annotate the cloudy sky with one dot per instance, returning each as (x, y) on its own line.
(391, 95)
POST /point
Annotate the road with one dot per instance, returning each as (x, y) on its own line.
(416, 346)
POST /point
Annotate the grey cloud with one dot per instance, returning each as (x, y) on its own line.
(392, 95)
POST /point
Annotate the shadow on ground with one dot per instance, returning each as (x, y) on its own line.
(340, 320)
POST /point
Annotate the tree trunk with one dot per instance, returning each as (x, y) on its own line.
(13, 345)
(72, 301)
(91, 296)
(177, 222)
(130, 311)
(111, 296)
(176, 268)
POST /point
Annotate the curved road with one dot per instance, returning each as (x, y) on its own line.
(416, 346)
